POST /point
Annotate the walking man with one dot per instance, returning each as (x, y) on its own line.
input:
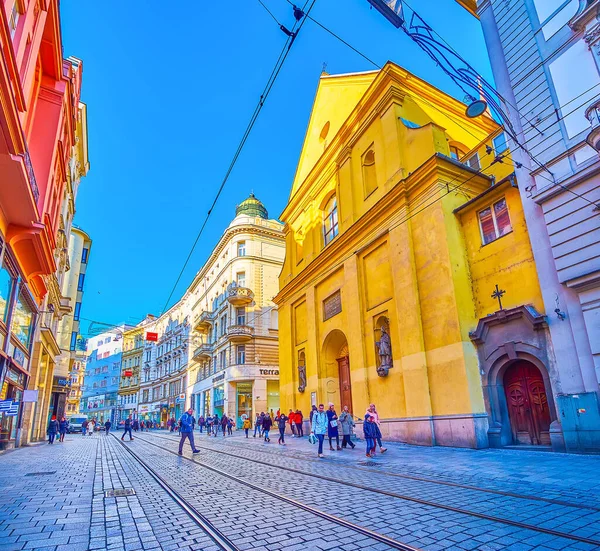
(224, 423)
(298, 419)
(127, 429)
(266, 427)
(107, 426)
(187, 431)
(84, 427)
(201, 423)
(319, 425)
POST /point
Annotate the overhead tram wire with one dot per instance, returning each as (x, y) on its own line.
(298, 24)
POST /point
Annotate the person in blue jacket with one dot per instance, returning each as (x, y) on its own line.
(187, 430)
(318, 426)
(370, 432)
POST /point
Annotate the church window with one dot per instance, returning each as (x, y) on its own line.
(330, 220)
(494, 221)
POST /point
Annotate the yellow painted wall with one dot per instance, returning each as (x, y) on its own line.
(402, 253)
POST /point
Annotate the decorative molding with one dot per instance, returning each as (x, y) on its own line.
(528, 313)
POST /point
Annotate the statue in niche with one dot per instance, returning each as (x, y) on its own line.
(384, 349)
(301, 377)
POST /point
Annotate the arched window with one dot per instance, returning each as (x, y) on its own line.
(330, 220)
(368, 170)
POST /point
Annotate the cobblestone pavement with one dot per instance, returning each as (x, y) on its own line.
(53, 497)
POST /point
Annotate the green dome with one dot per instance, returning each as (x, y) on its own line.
(251, 207)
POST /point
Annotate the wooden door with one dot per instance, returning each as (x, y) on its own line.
(527, 401)
(345, 382)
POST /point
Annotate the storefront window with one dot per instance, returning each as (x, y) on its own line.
(244, 402)
(21, 321)
(5, 286)
(272, 396)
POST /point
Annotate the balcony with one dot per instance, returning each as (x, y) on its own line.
(239, 296)
(592, 114)
(203, 352)
(240, 333)
(203, 322)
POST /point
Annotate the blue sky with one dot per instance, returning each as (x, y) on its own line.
(170, 91)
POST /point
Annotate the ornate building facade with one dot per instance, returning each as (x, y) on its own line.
(41, 132)
(235, 369)
(409, 279)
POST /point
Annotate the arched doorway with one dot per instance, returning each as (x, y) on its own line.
(527, 401)
(335, 370)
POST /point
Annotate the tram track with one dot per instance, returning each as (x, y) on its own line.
(222, 540)
(416, 478)
(208, 527)
(450, 508)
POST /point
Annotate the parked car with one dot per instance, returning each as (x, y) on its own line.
(75, 423)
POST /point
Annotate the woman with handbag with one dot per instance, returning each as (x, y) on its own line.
(332, 427)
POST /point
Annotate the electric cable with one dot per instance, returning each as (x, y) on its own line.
(268, 87)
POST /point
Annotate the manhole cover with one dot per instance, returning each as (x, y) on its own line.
(120, 493)
(41, 473)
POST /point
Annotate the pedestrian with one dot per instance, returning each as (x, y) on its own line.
(84, 426)
(292, 421)
(201, 423)
(312, 412)
(347, 423)
(230, 426)
(107, 426)
(282, 419)
(209, 425)
(63, 426)
(246, 426)
(91, 426)
(332, 427)
(267, 423)
(224, 423)
(142, 426)
(298, 419)
(318, 426)
(187, 431)
(258, 424)
(136, 425)
(370, 432)
(216, 424)
(372, 411)
(127, 429)
(53, 428)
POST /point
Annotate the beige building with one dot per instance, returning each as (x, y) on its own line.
(234, 366)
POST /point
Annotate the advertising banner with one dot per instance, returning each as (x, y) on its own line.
(97, 402)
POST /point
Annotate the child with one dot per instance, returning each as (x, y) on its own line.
(370, 432)
(246, 426)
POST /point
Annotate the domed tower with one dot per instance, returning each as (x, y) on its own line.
(251, 207)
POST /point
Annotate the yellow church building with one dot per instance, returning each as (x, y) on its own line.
(403, 220)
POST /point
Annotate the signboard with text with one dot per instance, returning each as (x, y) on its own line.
(152, 337)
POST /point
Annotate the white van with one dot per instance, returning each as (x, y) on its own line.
(75, 423)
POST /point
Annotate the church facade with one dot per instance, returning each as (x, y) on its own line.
(409, 280)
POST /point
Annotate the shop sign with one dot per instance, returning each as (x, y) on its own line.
(152, 337)
(61, 381)
(180, 399)
(144, 409)
(218, 378)
(9, 408)
(269, 371)
(127, 373)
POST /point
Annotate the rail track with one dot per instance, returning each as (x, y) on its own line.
(411, 477)
(222, 540)
(484, 516)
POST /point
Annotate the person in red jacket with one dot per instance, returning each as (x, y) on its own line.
(298, 418)
(292, 422)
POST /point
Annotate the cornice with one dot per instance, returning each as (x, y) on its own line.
(397, 200)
